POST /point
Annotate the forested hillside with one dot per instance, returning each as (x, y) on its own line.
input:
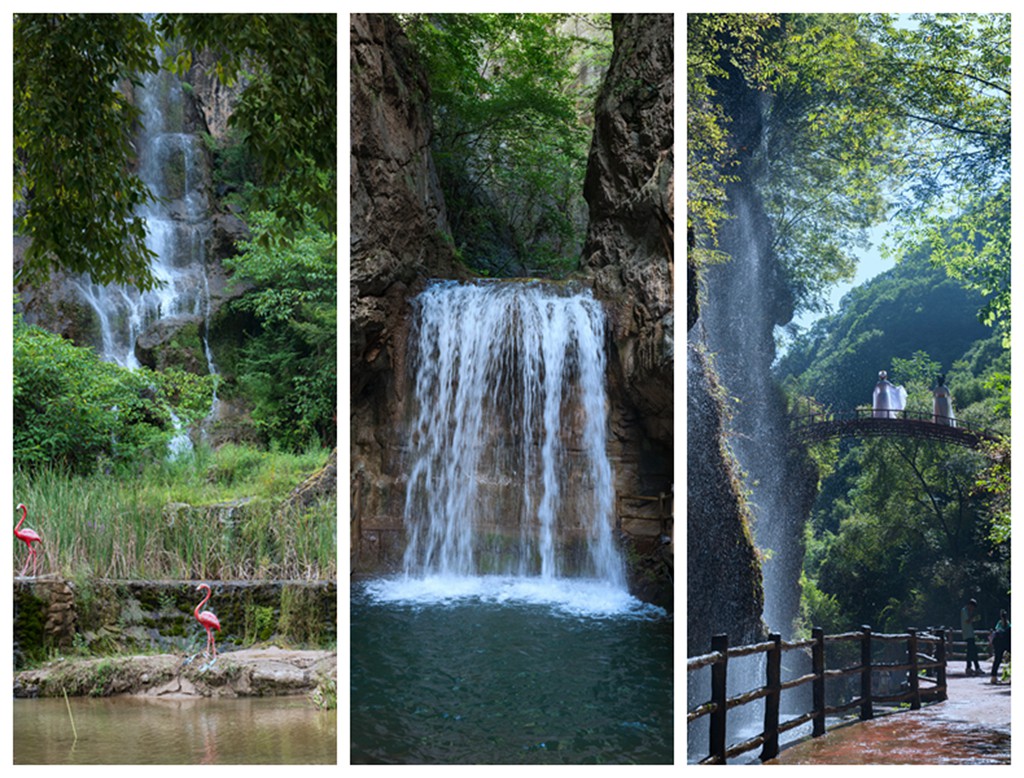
(914, 307)
(904, 529)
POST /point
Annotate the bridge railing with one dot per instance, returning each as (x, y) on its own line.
(717, 708)
(820, 423)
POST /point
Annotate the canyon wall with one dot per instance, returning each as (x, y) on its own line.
(628, 257)
(397, 242)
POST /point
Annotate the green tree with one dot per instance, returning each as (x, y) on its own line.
(829, 152)
(820, 156)
(910, 537)
(937, 86)
(288, 365)
(74, 411)
(719, 47)
(75, 194)
(77, 198)
(288, 108)
(871, 117)
(509, 141)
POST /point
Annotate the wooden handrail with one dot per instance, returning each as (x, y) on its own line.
(915, 663)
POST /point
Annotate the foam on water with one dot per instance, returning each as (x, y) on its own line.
(581, 597)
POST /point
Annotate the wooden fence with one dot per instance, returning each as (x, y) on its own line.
(720, 704)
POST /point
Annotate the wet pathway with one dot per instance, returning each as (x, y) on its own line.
(971, 727)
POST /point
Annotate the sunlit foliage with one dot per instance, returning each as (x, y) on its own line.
(510, 134)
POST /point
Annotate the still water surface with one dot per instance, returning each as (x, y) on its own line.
(495, 677)
(129, 730)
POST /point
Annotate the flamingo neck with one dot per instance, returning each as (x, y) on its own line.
(201, 604)
(24, 515)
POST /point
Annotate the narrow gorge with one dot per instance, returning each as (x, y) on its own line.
(398, 245)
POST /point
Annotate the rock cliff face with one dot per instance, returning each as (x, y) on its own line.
(723, 573)
(629, 188)
(628, 256)
(398, 229)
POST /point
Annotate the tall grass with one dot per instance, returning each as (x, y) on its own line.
(134, 526)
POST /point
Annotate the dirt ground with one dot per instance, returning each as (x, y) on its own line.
(248, 672)
(971, 727)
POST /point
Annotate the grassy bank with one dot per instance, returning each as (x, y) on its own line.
(214, 514)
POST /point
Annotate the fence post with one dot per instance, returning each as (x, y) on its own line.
(865, 674)
(719, 696)
(770, 749)
(818, 688)
(915, 686)
(940, 657)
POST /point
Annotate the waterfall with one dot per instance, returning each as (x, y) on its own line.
(739, 319)
(172, 164)
(508, 470)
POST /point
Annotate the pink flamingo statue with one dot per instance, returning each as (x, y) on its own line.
(29, 536)
(208, 620)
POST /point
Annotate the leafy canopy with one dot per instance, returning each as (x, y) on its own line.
(76, 195)
(944, 82)
(288, 366)
(76, 412)
(871, 117)
(288, 108)
(510, 142)
(719, 47)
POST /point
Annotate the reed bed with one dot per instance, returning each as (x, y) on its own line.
(178, 519)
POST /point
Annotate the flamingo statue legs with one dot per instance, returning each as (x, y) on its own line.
(209, 621)
(29, 536)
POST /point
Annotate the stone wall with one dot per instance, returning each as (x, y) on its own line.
(104, 617)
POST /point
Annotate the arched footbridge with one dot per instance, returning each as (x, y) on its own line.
(866, 423)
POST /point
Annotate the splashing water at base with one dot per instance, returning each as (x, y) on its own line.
(571, 596)
(511, 636)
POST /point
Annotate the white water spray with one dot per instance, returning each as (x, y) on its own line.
(509, 473)
(178, 226)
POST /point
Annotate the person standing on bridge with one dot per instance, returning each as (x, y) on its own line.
(999, 638)
(942, 404)
(969, 615)
(888, 399)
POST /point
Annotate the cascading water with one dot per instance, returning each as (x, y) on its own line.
(172, 164)
(509, 434)
(511, 636)
(509, 491)
(743, 305)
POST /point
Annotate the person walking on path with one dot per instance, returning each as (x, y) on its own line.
(1000, 639)
(968, 615)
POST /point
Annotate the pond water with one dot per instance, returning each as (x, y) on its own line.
(503, 671)
(131, 730)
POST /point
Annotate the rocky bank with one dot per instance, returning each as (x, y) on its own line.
(259, 672)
